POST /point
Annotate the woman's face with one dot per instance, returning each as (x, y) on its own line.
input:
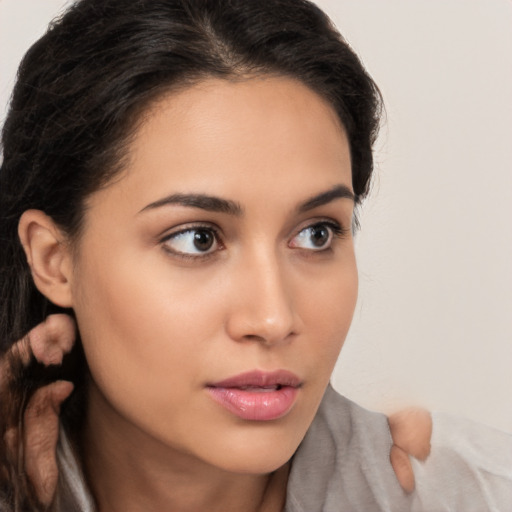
(215, 279)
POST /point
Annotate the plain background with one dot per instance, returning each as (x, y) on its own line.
(433, 324)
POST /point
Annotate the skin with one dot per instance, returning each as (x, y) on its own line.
(158, 327)
(411, 429)
(160, 319)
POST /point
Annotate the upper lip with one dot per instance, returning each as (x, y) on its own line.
(258, 378)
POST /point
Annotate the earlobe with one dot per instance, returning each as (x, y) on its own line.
(48, 255)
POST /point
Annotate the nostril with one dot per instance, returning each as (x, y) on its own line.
(254, 337)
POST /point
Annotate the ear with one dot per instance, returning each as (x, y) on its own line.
(48, 255)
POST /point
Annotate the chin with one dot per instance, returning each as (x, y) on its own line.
(260, 449)
(254, 464)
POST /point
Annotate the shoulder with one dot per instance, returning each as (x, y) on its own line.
(448, 461)
(344, 461)
(469, 468)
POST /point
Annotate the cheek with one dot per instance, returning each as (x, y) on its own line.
(152, 334)
(338, 310)
(138, 330)
(327, 313)
(329, 306)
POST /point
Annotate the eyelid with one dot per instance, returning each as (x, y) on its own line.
(185, 228)
(328, 221)
(337, 229)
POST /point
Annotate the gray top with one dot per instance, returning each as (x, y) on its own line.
(343, 465)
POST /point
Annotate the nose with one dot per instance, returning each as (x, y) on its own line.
(262, 301)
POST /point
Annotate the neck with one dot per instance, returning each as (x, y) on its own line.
(130, 471)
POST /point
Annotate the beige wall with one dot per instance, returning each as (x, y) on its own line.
(434, 321)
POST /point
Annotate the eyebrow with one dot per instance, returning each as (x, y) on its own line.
(337, 192)
(217, 204)
(203, 201)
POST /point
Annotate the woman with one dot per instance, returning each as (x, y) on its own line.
(210, 313)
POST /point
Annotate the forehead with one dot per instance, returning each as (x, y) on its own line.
(240, 139)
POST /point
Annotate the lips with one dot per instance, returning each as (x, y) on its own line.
(257, 395)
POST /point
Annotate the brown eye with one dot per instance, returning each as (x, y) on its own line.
(316, 237)
(319, 235)
(192, 242)
(203, 240)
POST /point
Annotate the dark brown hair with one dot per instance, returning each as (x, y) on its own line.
(84, 84)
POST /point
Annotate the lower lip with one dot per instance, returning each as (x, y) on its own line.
(255, 405)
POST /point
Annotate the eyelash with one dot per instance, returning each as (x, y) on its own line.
(188, 229)
(335, 229)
